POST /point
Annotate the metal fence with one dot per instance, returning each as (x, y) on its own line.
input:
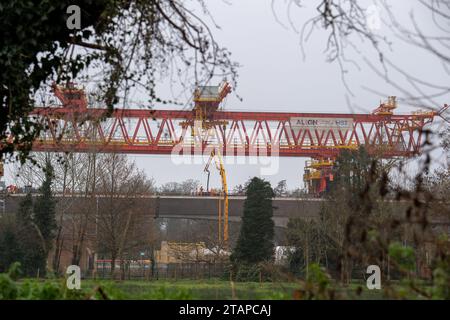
(162, 271)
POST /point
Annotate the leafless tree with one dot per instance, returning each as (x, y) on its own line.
(122, 208)
(74, 188)
(360, 36)
(187, 187)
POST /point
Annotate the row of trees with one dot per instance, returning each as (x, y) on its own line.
(98, 211)
(28, 237)
(191, 186)
(280, 190)
(187, 187)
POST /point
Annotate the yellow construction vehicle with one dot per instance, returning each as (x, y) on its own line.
(215, 154)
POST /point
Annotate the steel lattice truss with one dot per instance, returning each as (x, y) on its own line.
(245, 133)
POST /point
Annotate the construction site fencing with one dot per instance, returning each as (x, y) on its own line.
(170, 271)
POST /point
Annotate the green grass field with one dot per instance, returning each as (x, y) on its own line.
(209, 289)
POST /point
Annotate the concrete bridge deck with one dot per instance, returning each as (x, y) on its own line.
(201, 207)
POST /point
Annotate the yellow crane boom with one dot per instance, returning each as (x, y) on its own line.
(215, 154)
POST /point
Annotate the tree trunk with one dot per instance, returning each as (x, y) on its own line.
(58, 249)
(122, 269)
(113, 266)
(75, 255)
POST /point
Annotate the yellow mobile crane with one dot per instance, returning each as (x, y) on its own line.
(215, 154)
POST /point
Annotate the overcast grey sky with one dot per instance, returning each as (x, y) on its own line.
(275, 77)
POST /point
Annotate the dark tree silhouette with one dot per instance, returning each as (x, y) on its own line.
(44, 210)
(255, 242)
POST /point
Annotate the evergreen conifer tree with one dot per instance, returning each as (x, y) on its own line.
(255, 242)
(32, 256)
(44, 214)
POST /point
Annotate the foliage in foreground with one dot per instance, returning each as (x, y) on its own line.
(371, 219)
(317, 286)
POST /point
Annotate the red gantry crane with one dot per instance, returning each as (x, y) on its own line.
(320, 136)
(75, 127)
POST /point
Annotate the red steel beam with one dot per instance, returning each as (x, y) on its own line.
(247, 133)
(220, 115)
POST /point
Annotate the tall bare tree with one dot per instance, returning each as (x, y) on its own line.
(122, 210)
